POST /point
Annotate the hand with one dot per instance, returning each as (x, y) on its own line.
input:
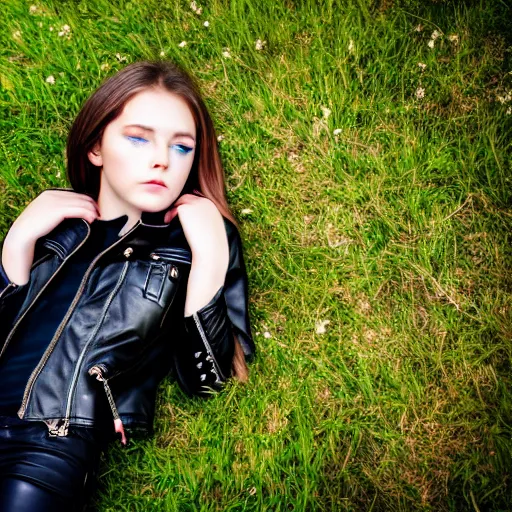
(204, 230)
(48, 210)
(43, 214)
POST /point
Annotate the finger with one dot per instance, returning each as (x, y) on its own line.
(185, 198)
(80, 201)
(170, 214)
(86, 205)
(81, 213)
(76, 198)
(88, 200)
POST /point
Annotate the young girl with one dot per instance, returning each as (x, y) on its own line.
(105, 287)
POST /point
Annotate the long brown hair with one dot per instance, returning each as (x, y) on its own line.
(107, 103)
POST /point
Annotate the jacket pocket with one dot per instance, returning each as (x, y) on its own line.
(165, 267)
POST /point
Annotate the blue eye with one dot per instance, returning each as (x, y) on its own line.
(137, 141)
(180, 148)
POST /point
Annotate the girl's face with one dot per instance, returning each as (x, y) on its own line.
(152, 140)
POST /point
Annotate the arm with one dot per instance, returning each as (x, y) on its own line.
(43, 214)
(204, 356)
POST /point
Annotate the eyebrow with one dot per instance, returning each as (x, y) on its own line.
(152, 130)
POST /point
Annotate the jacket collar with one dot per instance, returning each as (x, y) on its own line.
(71, 232)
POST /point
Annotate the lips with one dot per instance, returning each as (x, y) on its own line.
(155, 182)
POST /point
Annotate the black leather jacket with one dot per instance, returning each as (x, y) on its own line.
(126, 327)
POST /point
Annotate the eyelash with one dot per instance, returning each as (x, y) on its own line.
(139, 141)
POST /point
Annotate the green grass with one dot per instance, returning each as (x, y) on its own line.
(396, 230)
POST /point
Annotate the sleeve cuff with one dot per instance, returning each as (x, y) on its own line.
(205, 356)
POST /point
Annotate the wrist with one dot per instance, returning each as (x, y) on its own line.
(16, 241)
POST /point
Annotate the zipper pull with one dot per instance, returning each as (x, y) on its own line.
(61, 431)
(97, 371)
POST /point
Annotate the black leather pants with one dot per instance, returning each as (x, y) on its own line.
(21, 496)
(39, 473)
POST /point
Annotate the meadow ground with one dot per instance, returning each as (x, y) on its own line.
(367, 152)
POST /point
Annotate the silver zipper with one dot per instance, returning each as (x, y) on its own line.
(8, 339)
(57, 334)
(216, 367)
(91, 338)
(7, 288)
(98, 372)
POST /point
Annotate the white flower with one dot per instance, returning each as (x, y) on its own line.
(105, 66)
(65, 31)
(420, 93)
(32, 9)
(50, 80)
(418, 28)
(183, 44)
(246, 211)
(226, 53)
(337, 132)
(195, 8)
(16, 34)
(206, 23)
(431, 43)
(120, 58)
(326, 112)
(220, 137)
(51, 29)
(320, 326)
(504, 99)
(422, 66)
(351, 46)
(260, 44)
(162, 54)
(435, 35)
(267, 335)
(453, 38)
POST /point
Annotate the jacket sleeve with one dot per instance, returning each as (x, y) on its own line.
(204, 355)
(12, 296)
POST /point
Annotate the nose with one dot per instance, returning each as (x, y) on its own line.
(160, 157)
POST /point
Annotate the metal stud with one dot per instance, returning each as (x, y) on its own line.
(199, 365)
(173, 272)
(128, 252)
(203, 377)
(197, 354)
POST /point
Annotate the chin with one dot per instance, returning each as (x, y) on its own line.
(154, 206)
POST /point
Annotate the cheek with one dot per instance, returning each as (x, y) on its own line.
(181, 165)
(127, 159)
